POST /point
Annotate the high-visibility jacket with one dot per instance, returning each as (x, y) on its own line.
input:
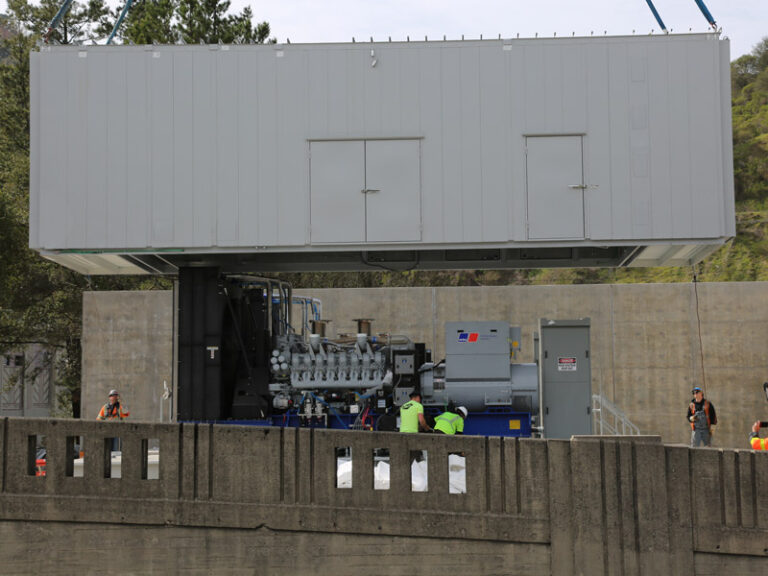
(758, 443)
(409, 416)
(113, 412)
(449, 423)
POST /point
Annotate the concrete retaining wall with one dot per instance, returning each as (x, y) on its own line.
(127, 345)
(647, 350)
(234, 500)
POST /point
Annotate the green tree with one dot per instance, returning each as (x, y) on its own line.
(82, 22)
(208, 22)
(149, 21)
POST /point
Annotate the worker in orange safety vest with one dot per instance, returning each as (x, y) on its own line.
(113, 410)
(755, 442)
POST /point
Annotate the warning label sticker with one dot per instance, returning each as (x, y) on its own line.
(566, 364)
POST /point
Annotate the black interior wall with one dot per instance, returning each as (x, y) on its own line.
(200, 391)
(224, 346)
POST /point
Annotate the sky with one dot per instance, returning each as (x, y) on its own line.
(744, 22)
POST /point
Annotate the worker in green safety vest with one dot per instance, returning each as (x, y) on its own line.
(450, 422)
(412, 415)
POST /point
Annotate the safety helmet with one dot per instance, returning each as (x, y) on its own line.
(696, 389)
(113, 393)
(462, 411)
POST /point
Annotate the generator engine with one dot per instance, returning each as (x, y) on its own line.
(356, 381)
(333, 381)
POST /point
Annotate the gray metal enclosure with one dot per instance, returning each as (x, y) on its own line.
(606, 151)
(565, 377)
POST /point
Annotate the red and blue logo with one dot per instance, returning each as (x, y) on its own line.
(468, 337)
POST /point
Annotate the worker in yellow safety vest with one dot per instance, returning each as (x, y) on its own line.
(755, 441)
(450, 422)
(412, 415)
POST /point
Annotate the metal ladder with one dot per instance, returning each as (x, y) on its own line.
(610, 420)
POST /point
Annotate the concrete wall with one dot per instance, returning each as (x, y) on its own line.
(127, 345)
(647, 351)
(236, 500)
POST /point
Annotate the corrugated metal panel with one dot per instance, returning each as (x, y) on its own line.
(96, 209)
(116, 169)
(430, 113)
(598, 144)
(266, 152)
(183, 79)
(207, 147)
(204, 118)
(292, 150)
(138, 150)
(225, 134)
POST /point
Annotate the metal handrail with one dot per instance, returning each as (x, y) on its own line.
(610, 420)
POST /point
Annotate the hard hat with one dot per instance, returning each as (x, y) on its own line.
(463, 411)
(113, 393)
(696, 389)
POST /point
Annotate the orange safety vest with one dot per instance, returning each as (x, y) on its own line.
(758, 443)
(112, 412)
(692, 408)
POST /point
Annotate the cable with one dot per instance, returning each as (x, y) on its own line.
(408, 266)
(698, 321)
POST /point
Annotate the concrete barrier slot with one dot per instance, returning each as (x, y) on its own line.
(150, 458)
(37, 455)
(74, 457)
(457, 473)
(112, 458)
(419, 471)
(381, 468)
(343, 467)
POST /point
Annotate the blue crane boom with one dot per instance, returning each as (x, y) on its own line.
(699, 3)
(707, 15)
(119, 20)
(55, 21)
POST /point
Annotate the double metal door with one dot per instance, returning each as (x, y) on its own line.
(365, 191)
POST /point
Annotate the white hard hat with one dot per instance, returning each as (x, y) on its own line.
(113, 393)
(463, 411)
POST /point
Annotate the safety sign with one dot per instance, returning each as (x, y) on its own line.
(566, 364)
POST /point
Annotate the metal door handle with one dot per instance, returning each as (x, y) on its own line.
(583, 186)
(367, 190)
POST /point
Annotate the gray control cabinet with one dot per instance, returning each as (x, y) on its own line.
(565, 377)
(598, 151)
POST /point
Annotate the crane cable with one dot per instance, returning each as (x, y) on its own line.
(698, 321)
